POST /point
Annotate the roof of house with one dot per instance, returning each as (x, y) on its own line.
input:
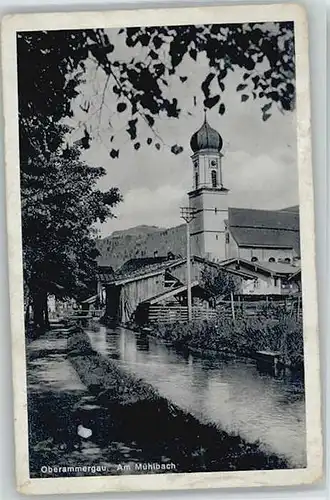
(90, 300)
(294, 208)
(135, 269)
(264, 228)
(268, 268)
(295, 276)
(279, 267)
(105, 273)
(172, 293)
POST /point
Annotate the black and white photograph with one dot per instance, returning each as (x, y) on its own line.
(161, 239)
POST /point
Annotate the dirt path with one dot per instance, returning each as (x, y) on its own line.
(57, 403)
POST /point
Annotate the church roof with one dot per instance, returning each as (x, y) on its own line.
(265, 228)
(206, 138)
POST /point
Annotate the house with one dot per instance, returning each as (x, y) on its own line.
(136, 281)
(171, 305)
(157, 281)
(265, 278)
(142, 279)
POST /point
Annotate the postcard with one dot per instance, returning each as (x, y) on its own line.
(161, 249)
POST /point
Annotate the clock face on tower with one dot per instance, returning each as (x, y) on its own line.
(213, 163)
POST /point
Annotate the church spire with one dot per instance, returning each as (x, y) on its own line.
(205, 117)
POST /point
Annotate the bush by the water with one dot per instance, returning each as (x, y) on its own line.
(246, 335)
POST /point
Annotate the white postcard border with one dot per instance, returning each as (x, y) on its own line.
(148, 17)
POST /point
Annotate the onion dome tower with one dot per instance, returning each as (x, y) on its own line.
(206, 138)
(209, 196)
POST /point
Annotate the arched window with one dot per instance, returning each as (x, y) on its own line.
(196, 180)
(287, 260)
(254, 259)
(271, 259)
(214, 178)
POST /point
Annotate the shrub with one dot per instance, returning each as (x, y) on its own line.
(245, 335)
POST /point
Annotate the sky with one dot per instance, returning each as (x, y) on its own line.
(259, 163)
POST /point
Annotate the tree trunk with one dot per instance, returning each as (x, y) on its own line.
(27, 312)
(38, 306)
(47, 324)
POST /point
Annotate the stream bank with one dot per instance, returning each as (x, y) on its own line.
(165, 433)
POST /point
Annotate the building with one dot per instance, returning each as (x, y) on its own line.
(265, 278)
(149, 284)
(220, 232)
(209, 198)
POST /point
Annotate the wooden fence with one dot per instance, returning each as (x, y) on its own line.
(249, 308)
(171, 314)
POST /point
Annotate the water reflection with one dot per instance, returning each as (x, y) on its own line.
(230, 393)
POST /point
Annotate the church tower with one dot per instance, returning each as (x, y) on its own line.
(209, 197)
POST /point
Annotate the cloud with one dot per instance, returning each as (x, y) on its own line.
(159, 207)
(261, 181)
(259, 163)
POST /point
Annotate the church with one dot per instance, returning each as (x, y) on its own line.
(220, 232)
(259, 248)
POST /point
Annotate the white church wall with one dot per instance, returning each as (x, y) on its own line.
(264, 254)
(215, 245)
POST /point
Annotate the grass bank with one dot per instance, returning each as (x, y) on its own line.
(244, 336)
(140, 415)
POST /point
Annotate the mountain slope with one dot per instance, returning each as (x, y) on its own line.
(141, 241)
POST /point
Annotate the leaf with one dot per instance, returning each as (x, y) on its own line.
(114, 153)
(112, 138)
(131, 130)
(85, 141)
(157, 41)
(109, 48)
(221, 85)
(265, 116)
(206, 84)
(210, 102)
(153, 55)
(144, 39)
(266, 107)
(137, 145)
(183, 78)
(150, 120)
(121, 106)
(268, 73)
(176, 149)
(244, 97)
(241, 86)
(149, 141)
(222, 109)
(290, 88)
(157, 145)
(193, 54)
(246, 76)
(255, 80)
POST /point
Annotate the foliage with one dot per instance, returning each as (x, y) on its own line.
(60, 204)
(219, 282)
(53, 63)
(60, 199)
(244, 336)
